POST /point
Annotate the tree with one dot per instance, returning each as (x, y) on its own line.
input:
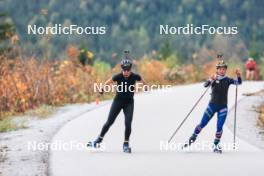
(6, 32)
(165, 50)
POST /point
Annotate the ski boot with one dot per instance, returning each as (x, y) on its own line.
(216, 147)
(190, 141)
(126, 148)
(96, 143)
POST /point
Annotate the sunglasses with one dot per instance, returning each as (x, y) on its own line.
(126, 70)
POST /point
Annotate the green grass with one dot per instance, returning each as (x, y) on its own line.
(8, 124)
(42, 111)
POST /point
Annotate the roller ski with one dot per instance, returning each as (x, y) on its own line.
(191, 140)
(95, 144)
(126, 148)
(217, 149)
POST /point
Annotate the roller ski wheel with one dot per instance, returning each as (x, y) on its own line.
(91, 144)
(95, 144)
(217, 149)
(189, 142)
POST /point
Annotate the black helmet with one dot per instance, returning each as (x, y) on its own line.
(221, 64)
(126, 63)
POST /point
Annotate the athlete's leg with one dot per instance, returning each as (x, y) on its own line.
(128, 112)
(221, 117)
(207, 116)
(114, 111)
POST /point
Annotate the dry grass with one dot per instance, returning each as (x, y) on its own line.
(43, 111)
(9, 124)
(261, 116)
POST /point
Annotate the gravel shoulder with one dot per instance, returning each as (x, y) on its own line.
(18, 158)
(247, 120)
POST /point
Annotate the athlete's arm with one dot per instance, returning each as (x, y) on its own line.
(238, 81)
(145, 85)
(108, 82)
(142, 81)
(210, 81)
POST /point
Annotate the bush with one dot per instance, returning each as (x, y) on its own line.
(102, 68)
(153, 71)
(172, 61)
(27, 84)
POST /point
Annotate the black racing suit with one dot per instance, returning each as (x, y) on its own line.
(220, 89)
(123, 100)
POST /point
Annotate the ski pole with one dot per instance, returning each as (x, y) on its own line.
(186, 117)
(235, 118)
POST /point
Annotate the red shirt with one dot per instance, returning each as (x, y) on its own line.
(251, 65)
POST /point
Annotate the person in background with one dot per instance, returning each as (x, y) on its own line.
(251, 69)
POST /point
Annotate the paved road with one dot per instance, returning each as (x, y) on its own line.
(156, 116)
